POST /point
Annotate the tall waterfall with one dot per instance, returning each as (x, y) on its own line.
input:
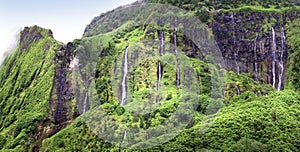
(85, 101)
(281, 66)
(176, 52)
(124, 79)
(123, 140)
(162, 43)
(234, 44)
(161, 53)
(274, 56)
(159, 65)
(255, 58)
(159, 76)
(175, 36)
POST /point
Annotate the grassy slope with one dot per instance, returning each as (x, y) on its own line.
(25, 92)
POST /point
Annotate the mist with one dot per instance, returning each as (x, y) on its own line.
(13, 45)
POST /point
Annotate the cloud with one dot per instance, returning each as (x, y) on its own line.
(13, 42)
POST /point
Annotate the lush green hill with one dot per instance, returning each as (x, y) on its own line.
(240, 104)
(26, 83)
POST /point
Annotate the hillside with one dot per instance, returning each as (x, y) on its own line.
(202, 76)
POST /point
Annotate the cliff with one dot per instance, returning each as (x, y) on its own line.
(247, 101)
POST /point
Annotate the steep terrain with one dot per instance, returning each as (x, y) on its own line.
(44, 92)
(33, 107)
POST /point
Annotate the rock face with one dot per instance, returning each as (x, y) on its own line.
(37, 99)
(248, 45)
(62, 87)
(32, 34)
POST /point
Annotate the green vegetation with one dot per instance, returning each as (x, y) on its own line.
(26, 79)
(242, 115)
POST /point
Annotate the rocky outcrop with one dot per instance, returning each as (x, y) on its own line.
(255, 43)
(32, 34)
(62, 86)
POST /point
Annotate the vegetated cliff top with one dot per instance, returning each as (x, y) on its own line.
(111, 20)
(32, 34)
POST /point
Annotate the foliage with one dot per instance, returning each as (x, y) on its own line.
(26, 83)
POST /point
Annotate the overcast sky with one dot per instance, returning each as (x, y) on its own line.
(66, 18)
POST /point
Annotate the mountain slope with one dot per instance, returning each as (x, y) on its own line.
(28, 79)
(45, 107)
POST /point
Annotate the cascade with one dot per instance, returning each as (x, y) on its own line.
(159, 65)
(124, 79)
(234, 45)
(176, 52)
(281, 66)
(124, 136)
(123, 140)
(274, 56)
(85, 101)
(255, 58)
(159, 76)
(175, 36)
(162, 43)
(238, 90)
(159, 71)
(235, 60)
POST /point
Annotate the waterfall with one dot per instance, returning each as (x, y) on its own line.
(85, 102)
(176, 52)
(124, 79)
(159, 65)
(159, 76)
(123, 140)
(274, 56)
(234, 44)
(238, 90)
(237, 65)
(281, 66)
(175, 36)
(162, 43)
(255, 58)
(124, 136)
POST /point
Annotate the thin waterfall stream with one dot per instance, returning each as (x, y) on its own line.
(123, 140)
(176, 53)
(159, 65)
(274, 57)
(281, 66)
(85, 101)
(255, 58)
(124, 79)
(234, 44)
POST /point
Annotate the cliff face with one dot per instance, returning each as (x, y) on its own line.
(260, 48)
(36, 90)
(255, 43)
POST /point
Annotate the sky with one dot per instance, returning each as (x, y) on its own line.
(66, 18)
